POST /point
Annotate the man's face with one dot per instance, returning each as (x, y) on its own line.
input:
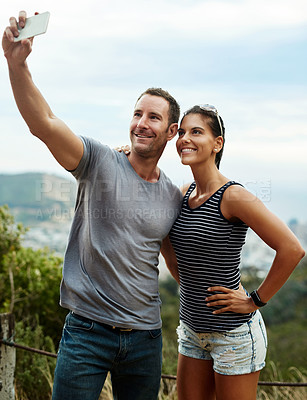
(149, 126)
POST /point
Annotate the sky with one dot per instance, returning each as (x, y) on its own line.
(248, 58)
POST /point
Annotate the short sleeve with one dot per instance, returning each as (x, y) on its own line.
(94, 153)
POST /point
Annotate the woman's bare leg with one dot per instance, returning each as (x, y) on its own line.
(195, 379)
(235, 387)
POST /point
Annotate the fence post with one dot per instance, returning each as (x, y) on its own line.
(7, 358)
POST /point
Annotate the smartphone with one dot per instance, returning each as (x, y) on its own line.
(34, 26)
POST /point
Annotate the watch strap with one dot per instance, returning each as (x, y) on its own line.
(256, 299)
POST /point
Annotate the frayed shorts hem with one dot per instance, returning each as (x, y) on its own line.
(225, 371)
(241, 371)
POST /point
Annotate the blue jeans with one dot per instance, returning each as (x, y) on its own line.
(89, 350)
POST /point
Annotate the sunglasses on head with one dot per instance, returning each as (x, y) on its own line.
(209, 107)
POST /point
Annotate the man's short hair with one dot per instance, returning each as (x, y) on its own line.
(174, 108)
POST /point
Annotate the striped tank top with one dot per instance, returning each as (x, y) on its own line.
(208, 250)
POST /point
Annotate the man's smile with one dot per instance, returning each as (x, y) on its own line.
(143, 135)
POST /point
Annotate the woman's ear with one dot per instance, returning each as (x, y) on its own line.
(218, 144)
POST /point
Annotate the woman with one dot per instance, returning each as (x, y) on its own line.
(222, 338)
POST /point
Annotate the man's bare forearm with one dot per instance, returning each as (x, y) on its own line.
(30, 102)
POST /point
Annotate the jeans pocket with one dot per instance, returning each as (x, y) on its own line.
(74, 321)
(155, 333)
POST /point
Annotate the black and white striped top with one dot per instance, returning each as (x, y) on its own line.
(208, 249)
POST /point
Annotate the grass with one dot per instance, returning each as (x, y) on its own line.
(168, 390)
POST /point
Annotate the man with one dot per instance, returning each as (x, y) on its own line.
(125, 207)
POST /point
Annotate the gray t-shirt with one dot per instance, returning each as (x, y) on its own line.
(110, 269)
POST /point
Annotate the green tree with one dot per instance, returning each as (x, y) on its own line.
(30, 279)
(29, 288)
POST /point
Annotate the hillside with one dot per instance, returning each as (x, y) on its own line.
(27, 193)
(42, 202)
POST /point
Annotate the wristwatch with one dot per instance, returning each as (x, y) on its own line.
(256, 299)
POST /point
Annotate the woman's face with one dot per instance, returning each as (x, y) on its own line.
(196, 143)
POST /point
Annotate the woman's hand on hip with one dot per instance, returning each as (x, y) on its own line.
(230, 300)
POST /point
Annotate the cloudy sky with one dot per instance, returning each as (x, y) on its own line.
(247, 57)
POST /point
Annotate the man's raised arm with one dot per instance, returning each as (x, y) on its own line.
(65, 146)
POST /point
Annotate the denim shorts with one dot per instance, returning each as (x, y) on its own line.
(236, 352)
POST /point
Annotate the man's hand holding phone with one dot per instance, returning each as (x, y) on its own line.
(18, 37)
